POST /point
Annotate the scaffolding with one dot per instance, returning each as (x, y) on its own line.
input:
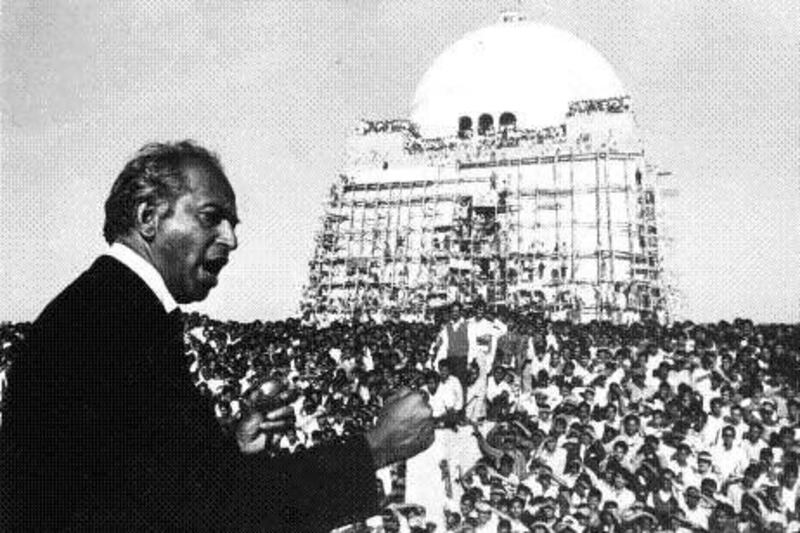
(572, 233)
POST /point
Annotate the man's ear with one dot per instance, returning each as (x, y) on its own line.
(148, 216)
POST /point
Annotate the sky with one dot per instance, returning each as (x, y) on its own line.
(275, 87)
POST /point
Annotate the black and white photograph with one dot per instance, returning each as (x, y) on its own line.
(400, 266)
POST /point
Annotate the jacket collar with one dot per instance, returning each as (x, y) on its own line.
(146, 271)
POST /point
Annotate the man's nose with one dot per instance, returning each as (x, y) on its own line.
(227, 235)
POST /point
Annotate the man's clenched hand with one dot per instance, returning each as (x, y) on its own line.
(405, 427)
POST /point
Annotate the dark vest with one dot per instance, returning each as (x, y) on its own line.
(457, 341)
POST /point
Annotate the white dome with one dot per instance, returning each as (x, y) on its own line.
(529, 69)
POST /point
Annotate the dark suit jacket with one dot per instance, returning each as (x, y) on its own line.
(104, 430)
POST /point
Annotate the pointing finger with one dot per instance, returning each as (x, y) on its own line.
(271, 388)
(283, 412)
(274, 425)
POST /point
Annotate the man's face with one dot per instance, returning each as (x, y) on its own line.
(451, 520)
(682, 455)
(433, 385)
(192, 244)
(692, 499)
(727, 439)
(516, 508)
(619, 452)
(725, 394)
(390, 521)
(467, 505)
(593, 501)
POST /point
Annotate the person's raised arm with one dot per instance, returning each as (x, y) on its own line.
(289, 490)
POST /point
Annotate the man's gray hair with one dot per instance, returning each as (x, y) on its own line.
(155, 175)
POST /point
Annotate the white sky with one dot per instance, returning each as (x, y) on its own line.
(274, 87)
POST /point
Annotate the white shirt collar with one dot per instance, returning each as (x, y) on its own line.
(144, 270)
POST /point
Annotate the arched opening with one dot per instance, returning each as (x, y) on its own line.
(508, 120)
(485, 124)
(464, 127)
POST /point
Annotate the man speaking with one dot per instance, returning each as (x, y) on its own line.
(103, 428)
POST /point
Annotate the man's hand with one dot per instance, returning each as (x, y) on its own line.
(255, 426)
(405, 427)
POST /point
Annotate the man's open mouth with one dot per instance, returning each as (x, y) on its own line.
(214, 266)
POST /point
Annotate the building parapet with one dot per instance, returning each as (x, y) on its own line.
(616, 104)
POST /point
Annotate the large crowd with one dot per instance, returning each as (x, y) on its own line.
(582, 428)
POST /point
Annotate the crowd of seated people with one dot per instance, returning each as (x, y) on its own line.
(639, 428)
(582, 428)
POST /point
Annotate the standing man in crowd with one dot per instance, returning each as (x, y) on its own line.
(453, 344)
(104, 429)
(446, 394)
(484, 331)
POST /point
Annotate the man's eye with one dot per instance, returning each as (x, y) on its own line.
(210, 219)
